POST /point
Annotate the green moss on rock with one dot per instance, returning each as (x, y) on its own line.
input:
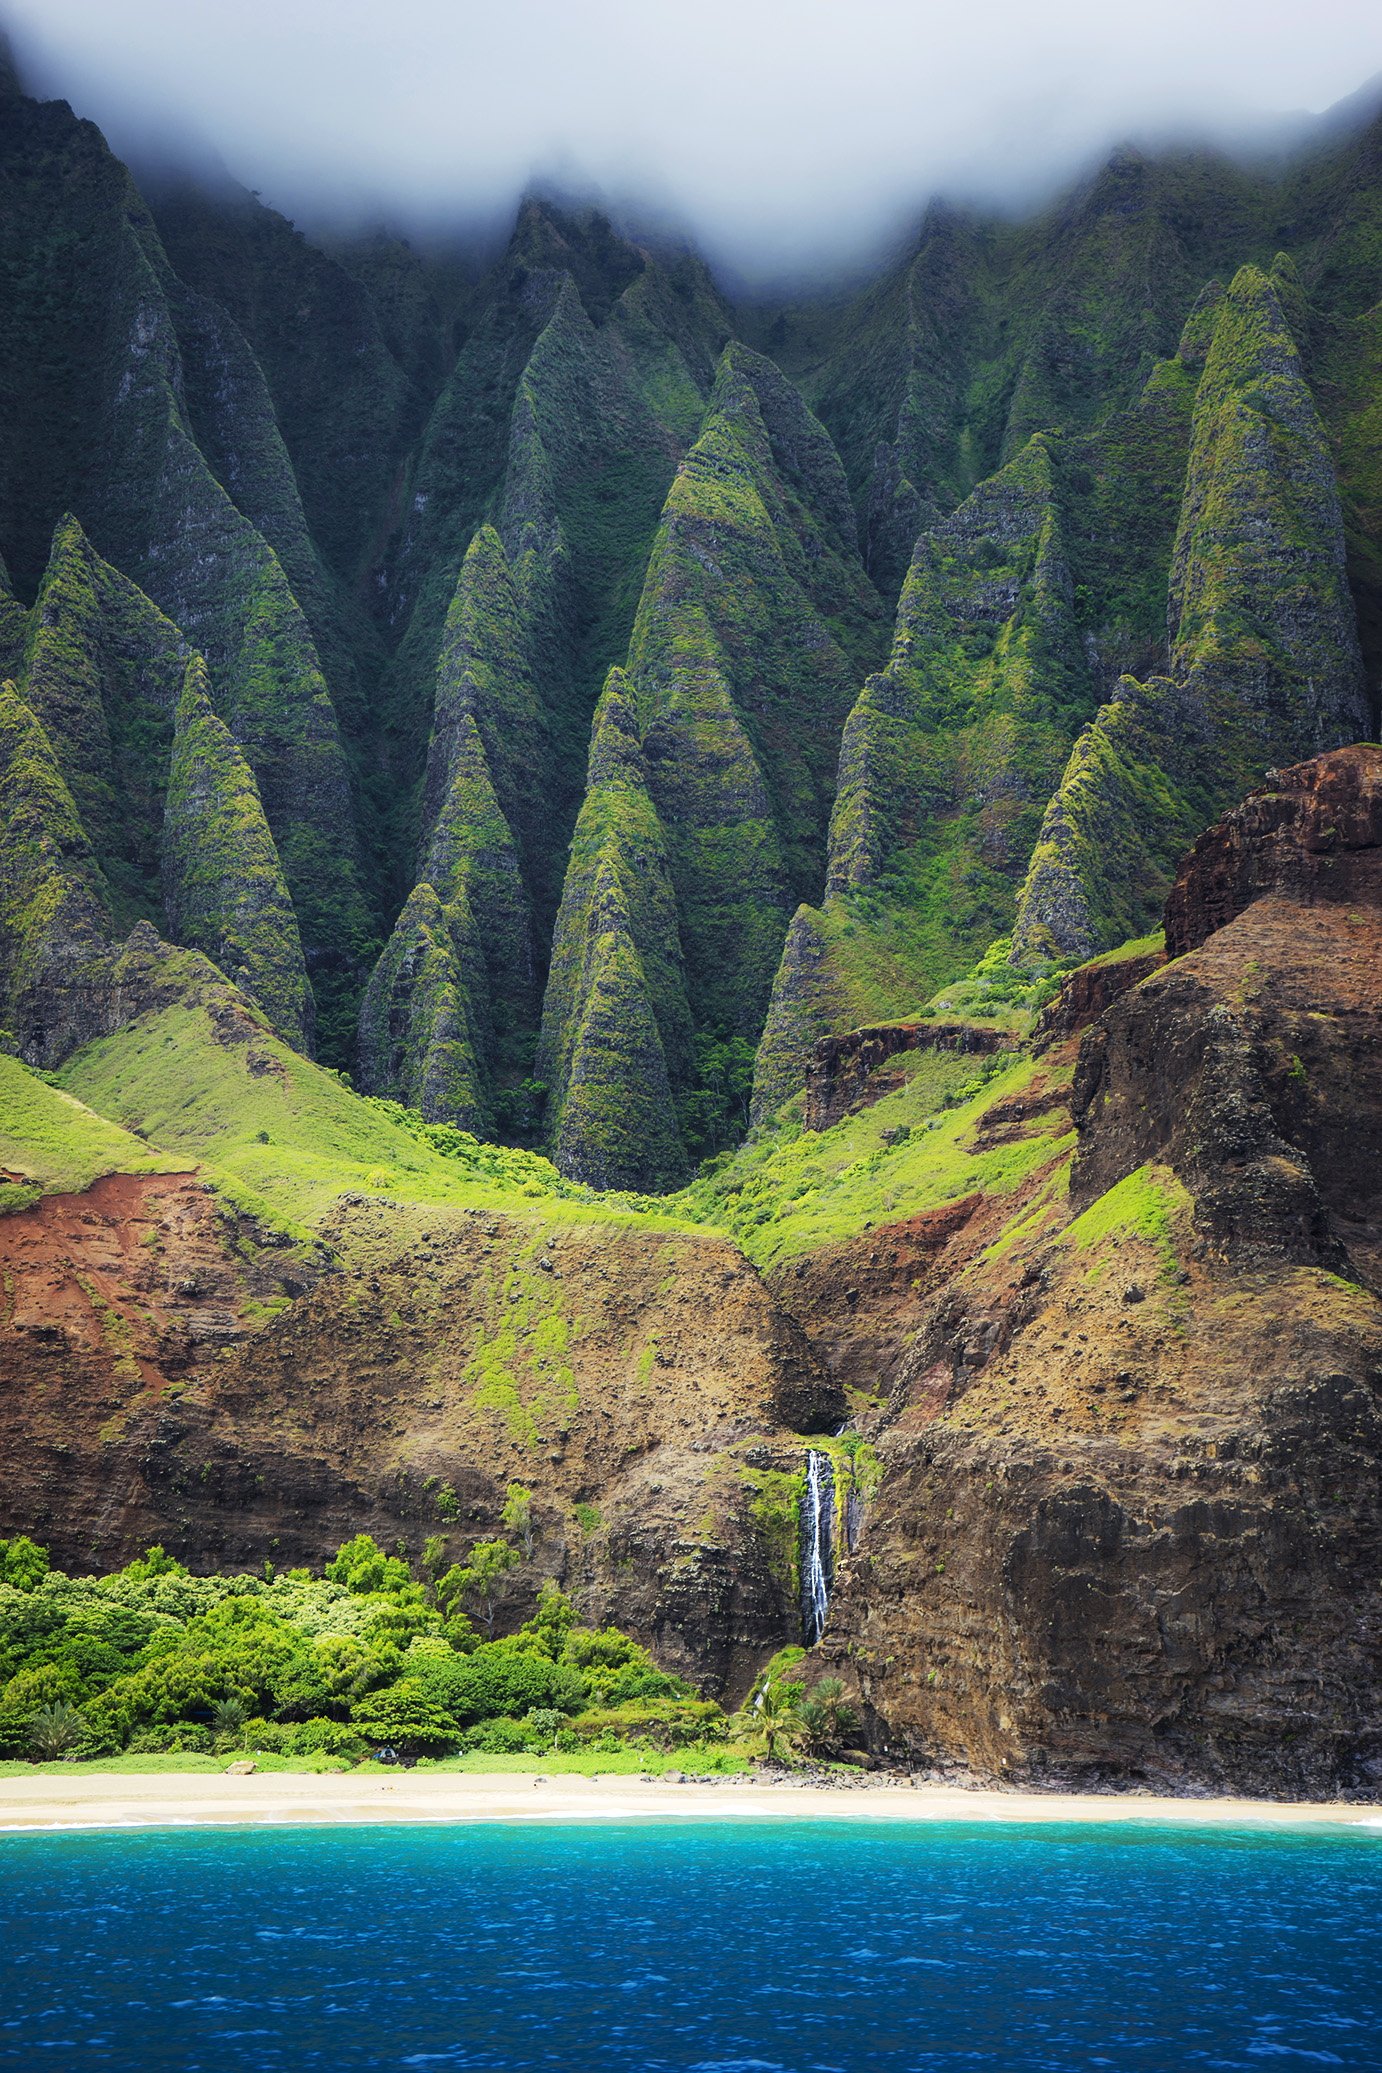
(1262, 626)
(1265, 665)
(1128, 806)
(103, 671)
(743, 683)
(808, 1001)
(223, 886)
(616, 1032)
(421, 1042)
(54, 912)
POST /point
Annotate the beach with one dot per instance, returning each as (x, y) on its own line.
(268, 1799)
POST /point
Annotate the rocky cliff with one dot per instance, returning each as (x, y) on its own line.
(1130, 1516)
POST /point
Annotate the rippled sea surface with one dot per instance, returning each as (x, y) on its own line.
(731, 1949)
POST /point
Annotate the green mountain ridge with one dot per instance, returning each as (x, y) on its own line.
(940, 614)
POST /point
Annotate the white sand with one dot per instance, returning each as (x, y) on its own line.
(113, 1800)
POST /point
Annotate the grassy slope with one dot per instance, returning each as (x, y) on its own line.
(284, 1137)
(50, 1137)
(795, 1190)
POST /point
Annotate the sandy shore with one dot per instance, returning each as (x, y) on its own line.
(117, 1801)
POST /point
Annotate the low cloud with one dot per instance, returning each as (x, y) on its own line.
(787, 137)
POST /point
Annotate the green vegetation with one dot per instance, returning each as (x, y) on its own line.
(1142, 1206)
(790, 1190)
(59, 1142)
(223, 885)
(102, 671)
(616, 1037)
(154, 1661)
(284, 1137)
(415, 521)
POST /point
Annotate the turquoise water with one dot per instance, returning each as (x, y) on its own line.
(748, 1949)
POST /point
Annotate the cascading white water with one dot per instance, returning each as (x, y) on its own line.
(817, 1546)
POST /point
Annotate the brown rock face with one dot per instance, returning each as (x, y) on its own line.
(1085, 993)
(1312, 833)
(1130, 1524)
(1252, 1067)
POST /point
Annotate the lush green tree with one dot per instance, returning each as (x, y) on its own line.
(408, 1713)
(823, 1720)
(773, 1712)
(23, 1565)
(501, 1677)
(35, 1688)
(552, 1620)
(228, 1717)
(361, 1565)
(478, 1583)
(155, 1563)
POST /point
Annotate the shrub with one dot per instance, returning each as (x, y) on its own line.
(502, 1738)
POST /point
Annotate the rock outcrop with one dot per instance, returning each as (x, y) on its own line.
(1088, 990)
(847, 1072)
(1312, 833)
(1129, 1523)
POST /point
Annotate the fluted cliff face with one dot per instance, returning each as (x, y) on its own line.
(224, 890)
(1264, 656)
(388, 503)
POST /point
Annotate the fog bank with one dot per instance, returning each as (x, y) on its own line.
(784, 138)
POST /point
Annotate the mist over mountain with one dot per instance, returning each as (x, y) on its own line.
(785, 146)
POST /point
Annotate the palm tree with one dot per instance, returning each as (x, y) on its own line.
(228, 1716)
(775, 1711)
(823, 1719)
(55, 1729)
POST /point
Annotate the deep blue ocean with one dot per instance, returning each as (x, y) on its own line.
(727, 1949)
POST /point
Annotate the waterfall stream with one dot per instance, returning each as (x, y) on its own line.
(817, 1546)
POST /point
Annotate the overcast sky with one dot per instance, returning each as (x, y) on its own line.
(785, 134)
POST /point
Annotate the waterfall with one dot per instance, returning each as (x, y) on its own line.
(817, 1546)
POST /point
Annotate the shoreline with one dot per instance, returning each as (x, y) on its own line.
(48, 1805)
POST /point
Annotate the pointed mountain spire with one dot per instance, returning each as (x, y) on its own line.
(223, 886)
(54, 918)
(103, 671)
(420, 1042)
(616, 1031)
(1261, 624)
